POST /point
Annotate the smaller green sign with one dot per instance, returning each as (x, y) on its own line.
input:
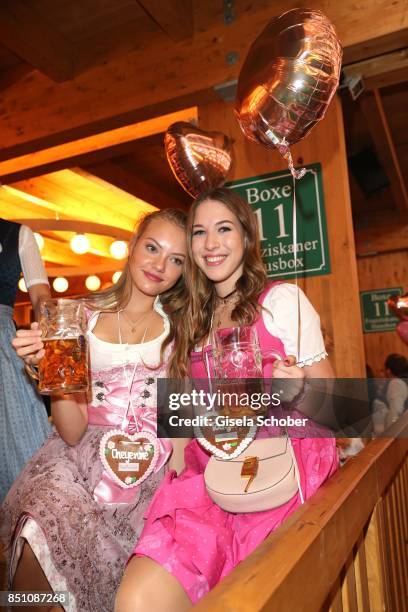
(374, 310)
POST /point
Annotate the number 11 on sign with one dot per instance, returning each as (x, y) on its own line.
(281, 220)
(377, 306)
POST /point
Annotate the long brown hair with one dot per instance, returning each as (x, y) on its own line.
(201, 296)
(117, 297)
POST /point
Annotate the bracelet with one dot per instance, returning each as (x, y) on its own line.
(32, 371)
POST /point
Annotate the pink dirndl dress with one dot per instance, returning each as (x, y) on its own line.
(192, 537)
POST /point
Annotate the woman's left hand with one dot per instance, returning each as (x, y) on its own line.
(291, 378)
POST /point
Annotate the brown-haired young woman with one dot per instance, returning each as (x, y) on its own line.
(189, 543)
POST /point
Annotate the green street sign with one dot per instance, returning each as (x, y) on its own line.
(271, 197)
(374, 310)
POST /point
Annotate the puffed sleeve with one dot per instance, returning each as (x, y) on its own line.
(280, 316)
(31, 263)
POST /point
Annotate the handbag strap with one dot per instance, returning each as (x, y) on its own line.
(295, 463)
(297, 475)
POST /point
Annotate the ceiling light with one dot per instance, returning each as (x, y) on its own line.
(39, 240)
(93, 283)
(80, 244)
(116, 276)
(22, 285)
(118, 249)
(60, 284)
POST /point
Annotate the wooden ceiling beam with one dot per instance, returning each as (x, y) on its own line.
(166, 74)
(26, 33)
(57, 252)
(58, 233)
(381, 71)
(175, 17)
(12, 206)
(82, 161)
(71, 153)
(377, 123)
(57, 236)
(99, 245)
(114, 173)
(113, 198)
(106, 268)
(84, 197)
(73, 225)
(374, 47)
(14, 74)
(388, 232)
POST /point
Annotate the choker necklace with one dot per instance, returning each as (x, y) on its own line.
(226, 298)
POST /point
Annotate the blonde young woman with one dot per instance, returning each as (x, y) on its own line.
(189, 543)
(66, 525)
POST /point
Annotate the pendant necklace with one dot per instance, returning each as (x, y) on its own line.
(130, 458)
(132, 324)
(223, 301)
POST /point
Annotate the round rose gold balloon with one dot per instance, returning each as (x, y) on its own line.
(398, 304)
(289, 76)
(200, 160)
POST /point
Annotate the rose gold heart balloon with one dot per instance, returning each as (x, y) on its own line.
(398, 304)
(288, 79)
(199, 160)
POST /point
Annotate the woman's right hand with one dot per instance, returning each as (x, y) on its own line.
(28, 345)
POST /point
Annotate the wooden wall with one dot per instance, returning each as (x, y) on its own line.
(335, 296)
(379, 272)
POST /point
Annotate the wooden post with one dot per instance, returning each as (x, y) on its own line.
(335, 296)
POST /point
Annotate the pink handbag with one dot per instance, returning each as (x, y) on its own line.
(264, 476)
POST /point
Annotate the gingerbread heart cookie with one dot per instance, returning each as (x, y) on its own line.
(226, 438)
(129, 459)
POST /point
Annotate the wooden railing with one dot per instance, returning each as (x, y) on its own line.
(346, 549)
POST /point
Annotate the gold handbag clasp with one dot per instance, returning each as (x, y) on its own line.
(249, 470)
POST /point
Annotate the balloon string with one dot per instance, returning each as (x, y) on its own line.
(285, 152)
(283, 147)
(294, 250)
(294, 177)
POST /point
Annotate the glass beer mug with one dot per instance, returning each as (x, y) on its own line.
(64, 367)
(237, 366)
(237, 353)
(240, 365)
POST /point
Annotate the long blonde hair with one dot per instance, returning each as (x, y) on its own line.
(117, 297)
(196, 315)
